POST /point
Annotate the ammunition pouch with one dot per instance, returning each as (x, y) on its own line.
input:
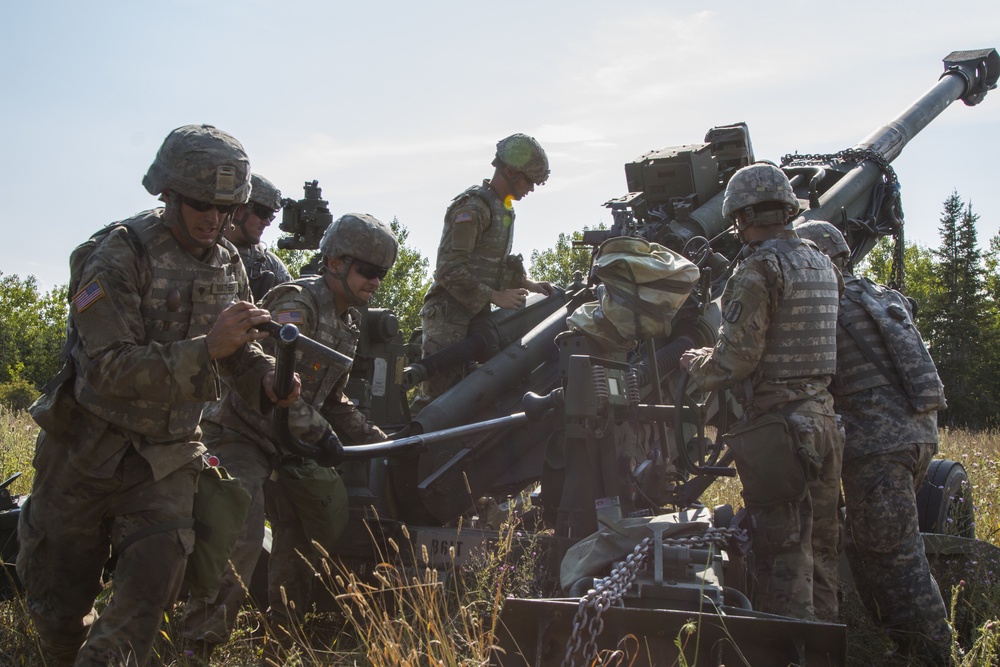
(774, 464)
(220, 510)
(320, 499)
(512, 272)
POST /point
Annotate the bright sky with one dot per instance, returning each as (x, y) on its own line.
(395, 107)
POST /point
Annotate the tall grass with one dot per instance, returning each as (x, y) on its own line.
(404, 613)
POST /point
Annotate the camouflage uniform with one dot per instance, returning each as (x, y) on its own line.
(264, 268)
(120, 452)
(472, 262)
(888, 449)
(777, 344)
(239, 437)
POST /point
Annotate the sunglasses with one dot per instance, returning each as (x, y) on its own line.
(203, 206)
(367, 269)
(263, 212)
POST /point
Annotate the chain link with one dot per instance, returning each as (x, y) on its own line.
(893, 207)
(611, 589)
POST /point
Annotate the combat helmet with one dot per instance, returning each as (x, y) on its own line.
(264, 192)
(524, 154)
(203, 163)
(758, 184)
(827, 237)
(360, 236)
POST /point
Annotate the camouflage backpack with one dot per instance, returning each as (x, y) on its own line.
(915, 376)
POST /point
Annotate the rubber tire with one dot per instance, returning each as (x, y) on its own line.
(946, 493)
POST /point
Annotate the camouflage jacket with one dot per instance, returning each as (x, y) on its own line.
(757, 299)
(142, 371)
(263, 267)
(308, 304)
(475, 244)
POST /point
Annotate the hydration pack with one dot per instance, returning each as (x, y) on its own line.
(915, 376)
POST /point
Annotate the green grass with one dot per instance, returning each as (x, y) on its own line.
(405, 614)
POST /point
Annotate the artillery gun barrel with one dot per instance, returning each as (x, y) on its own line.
(968, 76)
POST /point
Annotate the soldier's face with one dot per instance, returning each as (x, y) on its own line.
(258, 220)
(520, 186)
(202, 227)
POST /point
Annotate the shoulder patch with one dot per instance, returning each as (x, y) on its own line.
(88, 295)
(463, 217)
(288, 317)
(733, 311)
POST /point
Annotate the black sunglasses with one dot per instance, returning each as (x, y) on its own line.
(202, 206)
(263, 212)
(367, 269)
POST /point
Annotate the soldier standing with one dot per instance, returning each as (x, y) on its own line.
(777, 343)
(160, 311)
(474, 264)
(888, 446)
(264, 268)
(358, 251)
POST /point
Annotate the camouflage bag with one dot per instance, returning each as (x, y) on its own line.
(915, 376)
(773, 463)
(320, 499)
(220, 509)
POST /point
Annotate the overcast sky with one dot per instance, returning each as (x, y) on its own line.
(396, 107)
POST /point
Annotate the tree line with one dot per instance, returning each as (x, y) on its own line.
(956, 286)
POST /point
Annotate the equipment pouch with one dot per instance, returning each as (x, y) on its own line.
(320, 498)
(768, 461)
(220, 510)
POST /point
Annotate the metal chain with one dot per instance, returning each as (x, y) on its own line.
(894, 206)
(611, 589)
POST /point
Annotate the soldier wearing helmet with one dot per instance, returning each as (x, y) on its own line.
(474, 266)
(264, 268)
(358, 250)
(888, 447)
(160, 314)
(777, 347)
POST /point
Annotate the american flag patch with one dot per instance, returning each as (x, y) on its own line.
(288, 317)
(88, 295)
(463, 217)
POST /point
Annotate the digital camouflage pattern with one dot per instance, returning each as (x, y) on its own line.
(524, 154)
(827, 238)
(361, 236)
(471, 263)
(201, 162)
(240, 437)
(759, 353)
(264, 268)
(885, 549)
(120, 448)
(264, 192)
(888, 447)
(759, 184)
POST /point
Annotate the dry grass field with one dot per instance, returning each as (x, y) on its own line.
(423, 617)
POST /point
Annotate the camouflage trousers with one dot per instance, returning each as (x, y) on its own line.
(443, 324)
(69, 527)
(211, 620)
(292, 568)
(886, 552)
(797, 545)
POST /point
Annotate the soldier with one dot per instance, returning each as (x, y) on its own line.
(160, 309)
(777, 343)
(358, 250)
(474, 264)
(264, 268)
(888, 446)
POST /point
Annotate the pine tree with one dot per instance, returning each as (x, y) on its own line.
(961, 332)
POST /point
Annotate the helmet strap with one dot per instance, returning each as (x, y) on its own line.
(341, 275)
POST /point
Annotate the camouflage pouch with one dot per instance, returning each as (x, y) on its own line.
(770, 460)
(220, 510)
(320, 498)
